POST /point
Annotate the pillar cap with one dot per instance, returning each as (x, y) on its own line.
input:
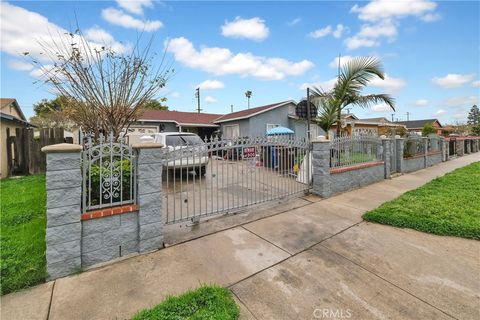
(320, 139)
(62, 148)
(147, 145)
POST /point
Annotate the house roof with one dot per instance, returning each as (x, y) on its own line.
(4, 102)
(418, 124)
(247, 113)
(180, 117)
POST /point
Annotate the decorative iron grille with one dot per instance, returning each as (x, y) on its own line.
(109, 173)
(350, 150)
(414, 146)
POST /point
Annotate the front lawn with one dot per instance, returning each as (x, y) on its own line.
(22, 232)
(449, 205)
(207, 302)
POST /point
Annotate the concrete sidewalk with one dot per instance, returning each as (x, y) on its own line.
(314, 258)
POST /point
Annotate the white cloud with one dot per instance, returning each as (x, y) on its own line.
(356, 42)
(337, 33)
(440, 112)
(476, 84)
(211, 85)
(453, 80)
(324, 85)
(98, 37)
(135, 6)
(431, 17)
(253, 29)
(389, 84)
(343, 61)
(322, 32)
(383, 9)
(460, 115)
(20, 65)
(422, 102)
(209, 99)
(221, 61)
(294, 21)
(174, 94)
(119, 18)
(36, 32)
(460, 101)
(381, 108)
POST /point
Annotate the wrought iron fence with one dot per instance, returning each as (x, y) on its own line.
(414, 146)
(109, 173)
(433, 144)
(349, 150)
(217, 176)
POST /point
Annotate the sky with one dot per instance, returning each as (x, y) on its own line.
(430, 50)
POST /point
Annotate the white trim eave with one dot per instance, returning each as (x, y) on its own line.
(256, 113)
(180, 123)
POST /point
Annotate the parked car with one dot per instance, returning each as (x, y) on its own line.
(180, 140)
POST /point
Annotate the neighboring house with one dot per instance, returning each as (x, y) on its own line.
(12, 117)
(416, 126)
(351, 125)
(152, 121)
(255, 122)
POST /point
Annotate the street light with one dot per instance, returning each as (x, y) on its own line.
(248, 94)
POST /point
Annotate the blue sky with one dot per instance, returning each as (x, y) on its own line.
(430, 50)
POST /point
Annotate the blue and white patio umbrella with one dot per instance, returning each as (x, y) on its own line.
(279, 131)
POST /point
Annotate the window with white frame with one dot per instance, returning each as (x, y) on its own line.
(271, 126)
(231, 131)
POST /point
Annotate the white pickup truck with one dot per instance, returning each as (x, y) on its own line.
(197, 160)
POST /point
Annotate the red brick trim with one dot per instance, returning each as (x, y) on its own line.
(109, 212)
(357, 167)
(415, 156)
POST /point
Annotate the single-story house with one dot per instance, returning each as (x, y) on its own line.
(11, 118)
(351, 125)
(152, 121)
(256, 122)
(416, 126)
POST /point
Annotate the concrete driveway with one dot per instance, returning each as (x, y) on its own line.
(313, 259)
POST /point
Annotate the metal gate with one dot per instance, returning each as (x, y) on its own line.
(224, 176)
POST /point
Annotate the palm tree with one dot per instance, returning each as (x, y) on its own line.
(352, 78)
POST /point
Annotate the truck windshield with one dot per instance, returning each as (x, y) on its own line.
(182, 140)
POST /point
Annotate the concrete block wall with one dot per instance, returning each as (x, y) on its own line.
(77, 240)
(64, 229)
(328, 182)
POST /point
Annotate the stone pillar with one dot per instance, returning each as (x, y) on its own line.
(386, 156)
(444, 145)
(149, 196)
(321, 167)
(399, 154)
(425, 156)
(64, 194)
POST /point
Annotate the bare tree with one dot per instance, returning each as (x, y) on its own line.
(106, 90)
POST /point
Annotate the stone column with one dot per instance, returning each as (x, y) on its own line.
(64, 194)
(321, 167)
(386, 156)
(149, 196)
(425, 156)
(399, 154)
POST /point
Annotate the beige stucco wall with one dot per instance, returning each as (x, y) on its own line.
(11, 110)
(3, 145)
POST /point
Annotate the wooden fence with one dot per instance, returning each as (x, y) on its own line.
(24, 153)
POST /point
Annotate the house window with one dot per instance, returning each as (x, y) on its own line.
(271, 126)
(231, 131)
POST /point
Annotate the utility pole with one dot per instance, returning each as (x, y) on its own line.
(408, 116)
(392, 116)
(231, 108)
(197, 95)
(248, 94)
(348, 110)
